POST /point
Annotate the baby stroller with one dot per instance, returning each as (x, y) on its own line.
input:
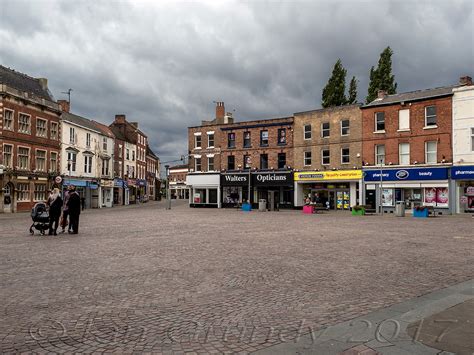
(40, 217)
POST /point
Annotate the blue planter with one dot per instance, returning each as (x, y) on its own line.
(246, 207)
(421, 213)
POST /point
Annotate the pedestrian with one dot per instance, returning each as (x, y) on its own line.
(55, 203)
(83, 202)
(74, 208)
(65, 215)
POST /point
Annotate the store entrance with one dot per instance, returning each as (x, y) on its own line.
(331, 199)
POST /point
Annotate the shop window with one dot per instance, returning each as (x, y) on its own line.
(281, 160)
(54, 130)
(307, 158)
(40, 192)
(264, 138)
(8, 120)
(431, 152)
(24, 123)
(23, 158)
(41, 127)
(404, 120)
(345, 156)
(430, 116)
(40, 161)
(247, 162)
(325, 157)
(53, 162)
(197, 142)
(231, 162)
(281, 136)
(197, 164)
(379, 121)
(231, 140)
(210, 140)
(23, 191)
(404, 154)
(325, 129)
(210, 163)
(263, 161)
(436, 196)
(345, 127)
(71, 161)
(380, 154)
(307, 131)
(247, 141)
(200, 196)
(8, 155)
(88, 164)
(213, 196)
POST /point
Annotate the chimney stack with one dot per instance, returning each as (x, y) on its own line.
(465, 80)
(65, 105)
(381, 94)
(220, 112)
(120, 119)
(44, 83)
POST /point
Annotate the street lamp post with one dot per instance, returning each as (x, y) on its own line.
(381, 186)
(168, 199)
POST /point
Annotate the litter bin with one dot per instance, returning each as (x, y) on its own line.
(400, 209)
(262, 205)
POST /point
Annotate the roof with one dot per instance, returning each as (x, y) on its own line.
(23, 82)
(182, 166)
(105, 130)
(330, 109)
(78, 120)
(413, 96)
(118, 134)
(150, 152)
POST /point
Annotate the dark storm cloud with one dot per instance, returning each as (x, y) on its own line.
(164, 63)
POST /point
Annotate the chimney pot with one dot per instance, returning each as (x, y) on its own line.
(65, 105)
(381, 94)
(465, 80)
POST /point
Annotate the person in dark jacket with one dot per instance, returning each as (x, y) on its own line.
(74, 208)
(55, 203)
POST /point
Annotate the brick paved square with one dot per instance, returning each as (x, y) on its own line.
(144, 279)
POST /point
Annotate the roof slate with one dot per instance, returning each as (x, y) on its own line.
(81, 121)
(23, 82)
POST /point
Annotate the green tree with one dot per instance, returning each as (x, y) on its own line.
(334, 91)
(382, 78)
(352, 91)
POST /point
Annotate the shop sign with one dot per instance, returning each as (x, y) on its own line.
(272, 179)
(118, 182)
(328, 175)
(132, 182)
(106, 183)
(234, 179)
(141, 182)
(462, 172)
(409, 174)
(78, 183)
(58, 179)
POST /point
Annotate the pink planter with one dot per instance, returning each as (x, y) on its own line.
(308, 209)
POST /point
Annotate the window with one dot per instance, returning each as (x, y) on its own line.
(307, 131)
(345, 127)
(53, 161)
(263, 161)
(40, 192)
(380, 154)
(264, 138)
(71, 161)
(431, 152)
(307, 158)
(87, 164)
(24, 123)
(379, 121)
(282, 136)
(472, 139)
(404, 154)
(133, 155)
(23, 158)
(23, 192)
(281, 160)
(430, 116)
(231, 162)
(8, 120)
(88, 140)
(72, 135)
(54, 130)
(197, 142)
(231, 140)
(247, 142)
(404, 120)
(197, 164)
(325, 129)
(104, 143)
(325, 157)
(40, 162)
(128, 154)
(210, 140)
(210, 163)
(247, 162)
(105, 167)
(8, 156)
(345, 156)
(41, 127)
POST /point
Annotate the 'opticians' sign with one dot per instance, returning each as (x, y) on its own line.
(272, 179)
(408, 174)
(328, 175)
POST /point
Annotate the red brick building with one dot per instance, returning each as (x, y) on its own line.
(177, 181)
(29, 140)
(152, 174)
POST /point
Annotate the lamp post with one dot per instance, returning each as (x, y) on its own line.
(381, 186)
(168, 200)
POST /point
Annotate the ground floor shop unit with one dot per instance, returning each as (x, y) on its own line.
(106, 193)
(121, 193)
(88, 189)
(204, 189)
(179, 191)
(423, 186)
(333, 190)
(274, 187)
(462, 188)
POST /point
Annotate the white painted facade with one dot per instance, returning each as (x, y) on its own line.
(130, 160)
(463, 125)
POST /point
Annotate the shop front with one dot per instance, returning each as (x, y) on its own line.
(274, 187)
(413, 186)
(141, 190)
(335, 190)
(462, 186)
(106, 192)
(204, 189)
(235, 188)
(132, 191)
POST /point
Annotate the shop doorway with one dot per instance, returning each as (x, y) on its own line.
(336, 199)
(8, 198)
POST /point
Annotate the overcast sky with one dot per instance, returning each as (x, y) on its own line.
(164, 64)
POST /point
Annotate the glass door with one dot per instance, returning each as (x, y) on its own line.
(342, 200)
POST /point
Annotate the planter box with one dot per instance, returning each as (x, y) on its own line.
(421, 213)
(360, 212)
(308, 209)
(246, 207)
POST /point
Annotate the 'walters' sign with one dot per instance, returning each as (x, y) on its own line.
(234, 179)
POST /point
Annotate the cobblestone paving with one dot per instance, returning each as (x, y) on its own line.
(144, 279)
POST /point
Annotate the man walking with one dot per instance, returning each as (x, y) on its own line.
(74, 209)
(64, 218)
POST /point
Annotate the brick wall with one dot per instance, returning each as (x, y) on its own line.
(205, 150)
